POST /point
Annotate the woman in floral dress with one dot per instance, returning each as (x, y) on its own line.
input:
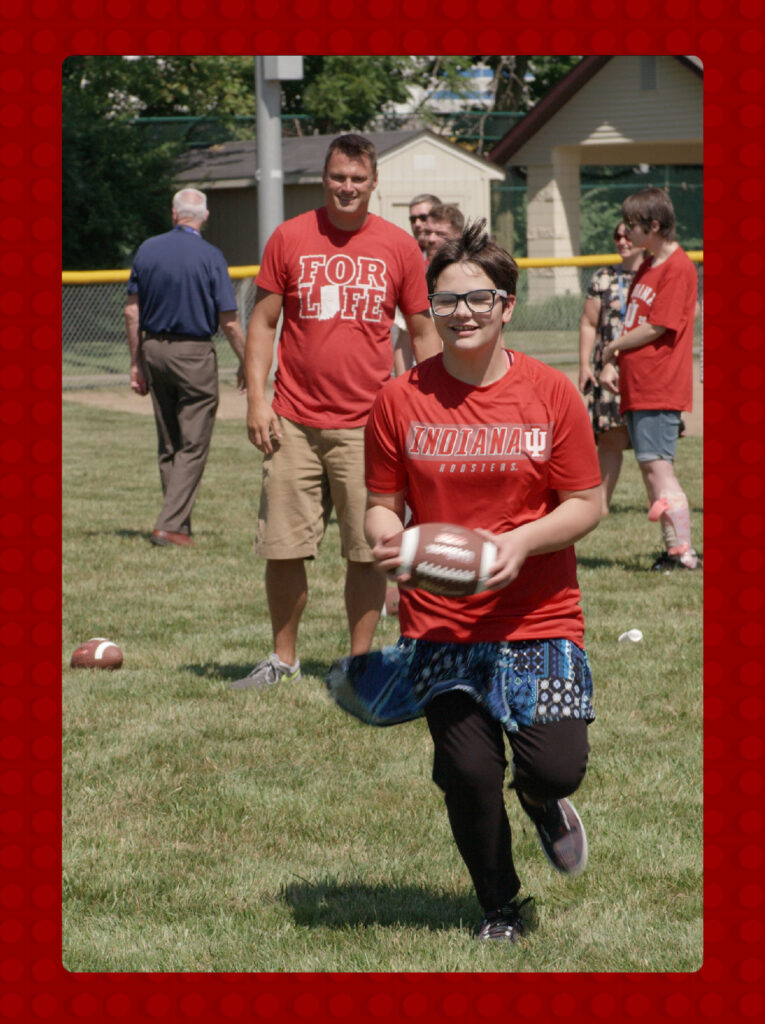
(602, 318)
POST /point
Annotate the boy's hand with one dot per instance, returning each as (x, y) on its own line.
(386, 555)
(511, 554)
(609, 378)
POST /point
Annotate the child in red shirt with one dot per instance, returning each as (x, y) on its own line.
(655, 358)
(494, 440)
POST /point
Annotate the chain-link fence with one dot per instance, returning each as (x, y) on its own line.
(602, 190)
(95, 353)
(94, 344)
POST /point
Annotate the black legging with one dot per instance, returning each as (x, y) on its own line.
(549, 762)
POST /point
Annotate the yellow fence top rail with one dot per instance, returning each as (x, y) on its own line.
(238, 273)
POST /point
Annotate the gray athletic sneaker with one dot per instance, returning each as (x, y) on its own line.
(266, 673)
(561, 834)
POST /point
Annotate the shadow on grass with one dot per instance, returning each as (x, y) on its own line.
(620, 508)
(341, 904)
(211, 670)
(637, 564)
(318, 669)
(626, 564)
(207, 535)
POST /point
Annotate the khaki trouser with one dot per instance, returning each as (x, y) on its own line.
(183, 382)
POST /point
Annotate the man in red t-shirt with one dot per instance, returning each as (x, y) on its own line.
(490, 439)
(655, 359)
(334, 276)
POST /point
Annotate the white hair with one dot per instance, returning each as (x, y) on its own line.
(190, 203)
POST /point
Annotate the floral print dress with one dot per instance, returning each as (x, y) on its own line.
(610, 286)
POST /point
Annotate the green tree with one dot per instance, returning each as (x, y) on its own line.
(521, 81)
(346, 93)
(114, 191)
(117, 183)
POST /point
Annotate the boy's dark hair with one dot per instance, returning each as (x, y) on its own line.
(356, 146)
(450, 213)
(650, 204)
(475, 246)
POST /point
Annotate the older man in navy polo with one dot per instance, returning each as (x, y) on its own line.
(179, 294)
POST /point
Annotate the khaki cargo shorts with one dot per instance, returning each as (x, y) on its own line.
(311, 472)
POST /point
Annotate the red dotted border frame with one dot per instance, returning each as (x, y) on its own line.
(35, 37)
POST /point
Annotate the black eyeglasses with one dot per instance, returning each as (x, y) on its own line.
(618, 238)
(481, 300)
(418, 216)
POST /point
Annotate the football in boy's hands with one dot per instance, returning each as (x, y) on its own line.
(446, 559)
(96, 653)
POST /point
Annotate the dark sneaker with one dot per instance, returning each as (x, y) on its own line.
(509, 923)
(689, 561)
(561, 834)
(267, 673)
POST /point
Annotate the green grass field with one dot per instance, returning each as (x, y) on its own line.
(208, 830)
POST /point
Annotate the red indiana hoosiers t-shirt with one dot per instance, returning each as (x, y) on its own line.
(491, 457)
(340, 293)
(660, 375)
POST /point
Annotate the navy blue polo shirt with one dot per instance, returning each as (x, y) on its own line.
(182, 284)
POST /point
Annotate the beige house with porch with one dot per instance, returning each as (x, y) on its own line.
(607, 110)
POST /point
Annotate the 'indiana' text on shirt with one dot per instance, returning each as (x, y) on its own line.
(479, 441)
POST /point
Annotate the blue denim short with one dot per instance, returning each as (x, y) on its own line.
(524, 682)
(653, 433)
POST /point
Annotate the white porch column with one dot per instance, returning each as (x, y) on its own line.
(553, 223)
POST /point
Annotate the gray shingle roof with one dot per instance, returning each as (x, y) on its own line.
(302, 158)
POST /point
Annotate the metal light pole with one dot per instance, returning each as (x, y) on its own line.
(269, 71)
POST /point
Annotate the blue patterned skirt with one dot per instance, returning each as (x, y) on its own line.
(524, 682)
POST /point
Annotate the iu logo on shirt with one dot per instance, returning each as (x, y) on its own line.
(352, 287)
(641, 293)
(479, 441)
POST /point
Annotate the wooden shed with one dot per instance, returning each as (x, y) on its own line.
(408, 162)
(606, 110)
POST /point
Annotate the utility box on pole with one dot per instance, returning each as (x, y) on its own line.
(269, 71)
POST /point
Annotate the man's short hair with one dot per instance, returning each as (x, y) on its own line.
(424, 197)
(651, 204)
(355, 146)
(451, 214)
(190, 202)
(474, 246)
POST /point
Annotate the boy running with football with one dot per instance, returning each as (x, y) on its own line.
(490, 439)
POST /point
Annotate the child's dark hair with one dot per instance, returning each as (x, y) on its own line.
(648, 205)
(475, 246)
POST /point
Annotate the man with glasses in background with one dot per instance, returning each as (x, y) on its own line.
(419, 208)
(442, 222)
